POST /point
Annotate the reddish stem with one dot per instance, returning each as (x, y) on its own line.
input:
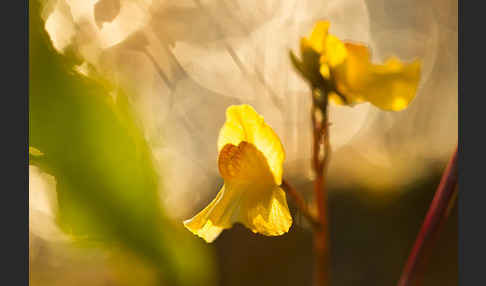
(437, 210)
(320, 159)
(300, 203)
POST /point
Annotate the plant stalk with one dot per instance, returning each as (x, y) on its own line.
(300, 203)
(320, 159)
(438, 209)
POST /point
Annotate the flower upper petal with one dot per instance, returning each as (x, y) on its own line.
(335, 51)
(318, 36)
(243, 123)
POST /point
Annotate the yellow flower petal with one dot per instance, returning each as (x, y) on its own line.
(325, 71)
(390, 86)
(335, 52)
(336, 99)
(262, 205)
(354, 74)
(318, 35)
(249, 196)
(243, 123)
(214, 218)
(266, 212)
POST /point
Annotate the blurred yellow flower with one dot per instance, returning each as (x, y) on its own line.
(344, 70)
(250, 161)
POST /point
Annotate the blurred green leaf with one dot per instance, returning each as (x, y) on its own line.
(106, 182)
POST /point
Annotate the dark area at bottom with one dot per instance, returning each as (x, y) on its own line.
(370, 243)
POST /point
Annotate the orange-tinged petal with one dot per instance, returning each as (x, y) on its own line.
(244, 164)
(243, 123)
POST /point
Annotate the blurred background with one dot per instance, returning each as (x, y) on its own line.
(126, 102)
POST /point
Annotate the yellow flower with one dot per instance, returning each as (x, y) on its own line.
(344, 70)
(250, 162)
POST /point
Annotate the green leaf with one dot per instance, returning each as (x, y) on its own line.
(296, 63)
(107, 186)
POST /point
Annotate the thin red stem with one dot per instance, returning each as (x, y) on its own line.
(437, 210)
(300, 203)
(320, 158)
